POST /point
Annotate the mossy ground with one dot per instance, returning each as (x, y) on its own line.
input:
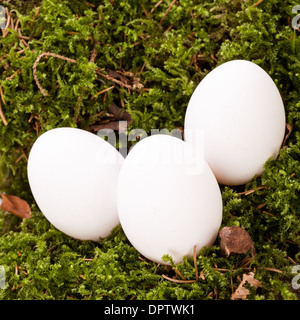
(168, 52)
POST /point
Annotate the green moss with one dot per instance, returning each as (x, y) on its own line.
(169, 54)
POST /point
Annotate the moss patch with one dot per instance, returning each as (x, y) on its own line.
(168, 50)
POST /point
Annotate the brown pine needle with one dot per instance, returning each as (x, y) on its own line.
(246, 193)
(195, 263)
(145, 11)
(104, 90)
(157, 4)
(2, 95)
(179, 273)
(270, 269)
(44, 93)
(176, 280)
(36, 13)
(168, 10)
(257, 3)
(156, 268)
(3, 116)
(269, 214)
(292, 260)
(17, 25)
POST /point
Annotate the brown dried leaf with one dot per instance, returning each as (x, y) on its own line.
(118, 76)
(288, 131)
(16, 206)
(235, 240)
(241, 292)
(119, 114)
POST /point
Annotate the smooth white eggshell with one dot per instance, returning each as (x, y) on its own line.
(168, 199)
(73, 177)
(238, 111)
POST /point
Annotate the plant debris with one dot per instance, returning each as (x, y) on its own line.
(15, 205)
(235, 240)
(242, 292)
(118, 114)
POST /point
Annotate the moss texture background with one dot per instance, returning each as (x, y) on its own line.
(166, 48)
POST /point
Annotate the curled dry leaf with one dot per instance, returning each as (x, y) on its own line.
(235, 240)
(288, 131)
(119, 114)
(241, 292)
(15, 205)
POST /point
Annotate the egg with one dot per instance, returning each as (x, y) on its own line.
(168, 199)
(236, 117)
(73, 177)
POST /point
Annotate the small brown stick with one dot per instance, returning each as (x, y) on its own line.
(12, 25)
(36, 13)
(94, 52)
(8, 18)
(156, 268)
(176, 280)
(2, 95)
(221, 269)
(179, 273)
(17, 25)
(202, 275)
(4, 31)
(44, 93)
(157, 4)
(145, 11)
(104, 90)
(168, 10)
(231, 283)
(2, 116)
(122, 84)
(23, 37)
(246, 193)
(269, 214)
(270, 269)
(195, 263)
(257, 3)
(142, 259)
(169, 28)
(260, 206)
(90, 4)
(292, 260)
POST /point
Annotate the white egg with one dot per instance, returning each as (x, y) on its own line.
(73, 177)
(239, 113)
(168, 199)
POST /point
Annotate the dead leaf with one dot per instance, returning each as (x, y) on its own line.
(118, 76)
(15, 205)
(288, 131)
(242, 292)
(235, 240)
(119, 114)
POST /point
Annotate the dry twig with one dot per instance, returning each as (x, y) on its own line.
(176, 280)
(43, 54)
(168, 10)
(195, 263)
(257, 3)
(3, 116)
